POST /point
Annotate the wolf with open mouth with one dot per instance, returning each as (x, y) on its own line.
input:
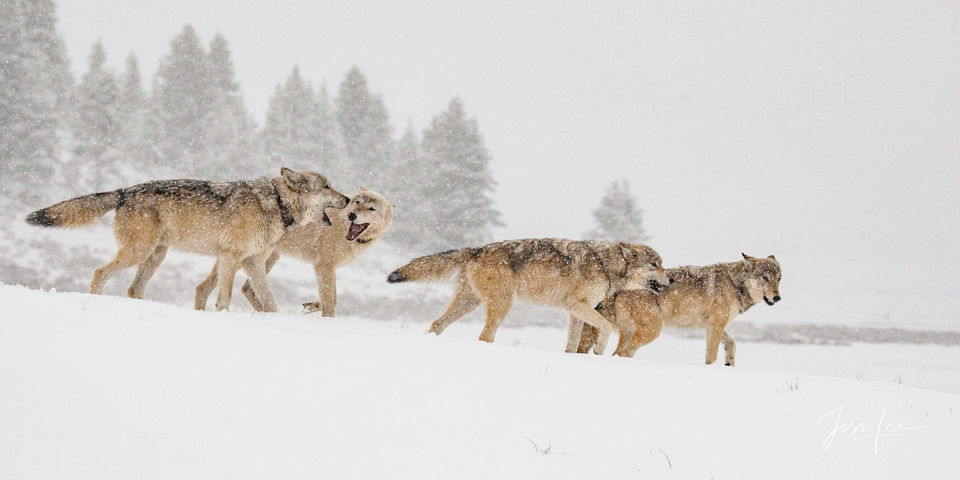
(350, 232)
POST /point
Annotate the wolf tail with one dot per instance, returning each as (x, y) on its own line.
(431, 267)
(77, 212)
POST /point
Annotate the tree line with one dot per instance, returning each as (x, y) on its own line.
(106, 130)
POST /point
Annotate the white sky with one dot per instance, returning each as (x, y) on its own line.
(825, 132)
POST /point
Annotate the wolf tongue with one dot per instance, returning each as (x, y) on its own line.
(356, 229)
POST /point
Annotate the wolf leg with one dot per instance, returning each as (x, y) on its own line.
(327, 287)
(247, 288)
(586, 313)
(205, 288)
(497, 309)
(464, 302)
(256, 269)
(228, 264)
(713, 343)
(145, 271)
(574, 333)
(729, 349)
(126, 257)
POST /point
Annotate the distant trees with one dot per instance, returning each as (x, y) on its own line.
(108, 130)
(457, 182)
(300, 129)
(182, 101)
(35, 87)
(365, 129)
(618, 218)
(204, 125)
(139, 126)
(96, 126)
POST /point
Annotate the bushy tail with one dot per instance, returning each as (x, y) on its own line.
(77, 212)
(431, 267)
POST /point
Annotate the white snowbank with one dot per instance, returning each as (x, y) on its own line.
(106, 387)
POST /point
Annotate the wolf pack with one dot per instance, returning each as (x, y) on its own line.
(605, 286)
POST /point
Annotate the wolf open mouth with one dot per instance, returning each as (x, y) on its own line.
(355, 230)
(655, 286)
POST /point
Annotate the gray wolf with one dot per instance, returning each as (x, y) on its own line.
(702, 297)
(238, 222)
(352, 231)
(570, 274)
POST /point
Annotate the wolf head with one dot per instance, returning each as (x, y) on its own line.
(763, 279)
(369, 214)
(311, 193)
(645, 268)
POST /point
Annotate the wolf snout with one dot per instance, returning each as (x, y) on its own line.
(351, 216)
(776, 299)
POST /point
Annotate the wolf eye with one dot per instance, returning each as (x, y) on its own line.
(372, 209)
(326, 187)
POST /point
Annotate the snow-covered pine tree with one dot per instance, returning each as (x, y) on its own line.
(332, 156)
(230, 140)
(366, 132)
(406, 192)
(139, 130)
(35, 83)
(182, 98)
(459, 209)
(96, 127)
(290, 132)
(618, 218)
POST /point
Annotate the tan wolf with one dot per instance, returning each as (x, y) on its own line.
(570, 274)
(703, 297)
(238, 222)
(353, 230)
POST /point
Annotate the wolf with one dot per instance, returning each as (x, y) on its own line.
(702, 297)
(352, 231)
(570, 274)
(238, 222)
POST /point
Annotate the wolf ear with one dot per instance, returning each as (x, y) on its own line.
(748, 258)
(295, 180)
(627, 251)
(771, 257)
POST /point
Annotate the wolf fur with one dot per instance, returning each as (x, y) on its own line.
(575, 275)
(352, 231)
(238, 222)
(702, 297)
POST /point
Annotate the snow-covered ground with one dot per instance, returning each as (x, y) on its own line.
(105, 387)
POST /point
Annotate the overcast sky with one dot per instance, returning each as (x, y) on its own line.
(825, 132)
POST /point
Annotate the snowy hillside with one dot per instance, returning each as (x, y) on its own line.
(105, 387)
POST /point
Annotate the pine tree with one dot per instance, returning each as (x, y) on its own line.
(406, 192)
(138, 135)
(618, 218)
(460, 182)
(182, 98)
(290, 130)
(332, 156)
(365, 129)
(34, 97)
(230, 139)
(97, 127)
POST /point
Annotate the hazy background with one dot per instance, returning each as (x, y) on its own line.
(827, 133)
